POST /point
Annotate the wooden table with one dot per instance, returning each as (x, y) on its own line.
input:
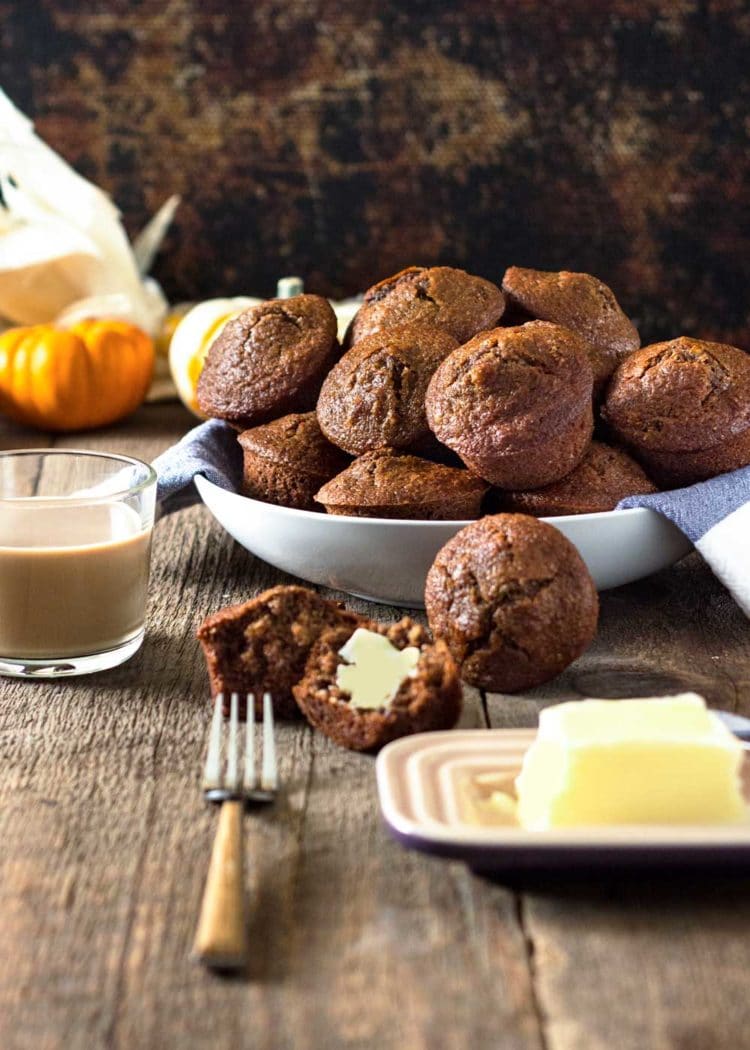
(104, 843)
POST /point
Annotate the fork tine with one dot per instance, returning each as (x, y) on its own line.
(249, 780)
(269, 779)
(212, 771)
(233, 772)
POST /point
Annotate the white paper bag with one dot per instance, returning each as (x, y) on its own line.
(64, 253)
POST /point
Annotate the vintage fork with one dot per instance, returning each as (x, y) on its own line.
(221, 936)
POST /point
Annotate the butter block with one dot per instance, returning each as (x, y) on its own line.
(374, 669)
(648, 761)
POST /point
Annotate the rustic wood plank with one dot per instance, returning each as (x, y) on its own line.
(106, 841)
(358, 942)
(643, 962)
(80, 801)
(378, 926)
(640, 961)
(12, 435)
(144, 435)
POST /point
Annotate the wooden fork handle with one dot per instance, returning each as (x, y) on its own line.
(221, 936)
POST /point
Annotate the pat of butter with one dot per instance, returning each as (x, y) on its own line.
(374, 669)
(650, 761)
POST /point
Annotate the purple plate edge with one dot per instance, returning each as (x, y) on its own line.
(497, 860)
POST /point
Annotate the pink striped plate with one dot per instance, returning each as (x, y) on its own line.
(419, 783)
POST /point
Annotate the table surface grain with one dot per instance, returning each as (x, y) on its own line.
(356, 942)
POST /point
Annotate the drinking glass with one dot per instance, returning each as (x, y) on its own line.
(75, 546)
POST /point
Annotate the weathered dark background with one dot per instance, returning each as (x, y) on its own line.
(344, 140)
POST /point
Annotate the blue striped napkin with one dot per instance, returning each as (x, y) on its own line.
(210, 449)
(714, 515)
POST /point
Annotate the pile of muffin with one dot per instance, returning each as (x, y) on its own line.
(452, 396)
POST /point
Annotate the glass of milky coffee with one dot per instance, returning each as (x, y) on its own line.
(75, 543)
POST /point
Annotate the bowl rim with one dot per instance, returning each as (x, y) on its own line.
(341, 520)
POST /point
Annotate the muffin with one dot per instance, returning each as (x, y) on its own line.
(579, 302)
(269, 361)
(384, 484)
(515, 404)
(604, 476)
(454, 300)
(430, 698)
(683, 409)
(287, 461)
(513, 600)
(262, 645)
(374, 396)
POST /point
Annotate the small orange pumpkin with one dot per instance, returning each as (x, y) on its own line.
(76, 378)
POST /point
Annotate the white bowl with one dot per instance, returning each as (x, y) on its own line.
(386, 561)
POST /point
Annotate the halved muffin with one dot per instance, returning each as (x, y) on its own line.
(262, 645)
(428, 697)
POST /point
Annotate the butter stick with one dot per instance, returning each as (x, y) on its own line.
(647, 761)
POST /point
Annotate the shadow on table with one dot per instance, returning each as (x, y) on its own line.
(708, 886)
